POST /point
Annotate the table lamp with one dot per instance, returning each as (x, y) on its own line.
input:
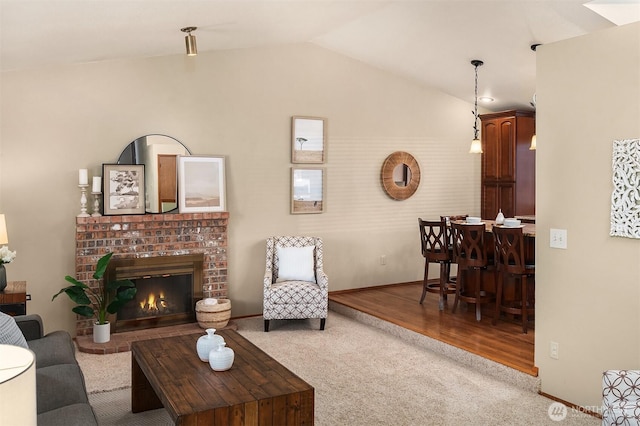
(4, 239)
(17, 386)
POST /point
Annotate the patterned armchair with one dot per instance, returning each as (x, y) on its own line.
(295, 285)
(621, 397)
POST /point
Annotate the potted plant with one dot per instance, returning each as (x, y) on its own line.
(108, 299)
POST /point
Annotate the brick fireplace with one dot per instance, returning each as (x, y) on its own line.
(153, 235)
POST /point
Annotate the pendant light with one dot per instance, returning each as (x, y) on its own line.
(532, 147)
(476, 145)
(190, 41)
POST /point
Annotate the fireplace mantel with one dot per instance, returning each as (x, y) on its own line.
(152, 235)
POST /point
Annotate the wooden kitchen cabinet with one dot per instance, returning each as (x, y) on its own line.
(508, 166)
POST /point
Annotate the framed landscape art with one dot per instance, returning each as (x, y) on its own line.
(123, 191)
(307, 190)
(201, 184)
(308, 139)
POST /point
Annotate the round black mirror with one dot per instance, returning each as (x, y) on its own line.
(159, 154)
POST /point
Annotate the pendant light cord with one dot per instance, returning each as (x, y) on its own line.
(475, 110)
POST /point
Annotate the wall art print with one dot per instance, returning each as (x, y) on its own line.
(201, 184)
(625, 199)
(308, 190)
(123, 191)
(308, 139)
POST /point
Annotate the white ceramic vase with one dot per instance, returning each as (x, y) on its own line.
(221, 359)
(207, 343)
(101, 332)
(500, 218)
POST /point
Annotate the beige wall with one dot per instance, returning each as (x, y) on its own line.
(238, 104)
(587, 296)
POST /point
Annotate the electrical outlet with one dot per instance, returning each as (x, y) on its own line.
(558, 238)
(383, 259)
(554, 349)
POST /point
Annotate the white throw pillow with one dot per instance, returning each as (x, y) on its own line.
(296, 264)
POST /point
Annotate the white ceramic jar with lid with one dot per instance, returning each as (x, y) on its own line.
(207, 343)
(221, 358)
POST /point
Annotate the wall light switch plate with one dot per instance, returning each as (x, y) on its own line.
(554, 349)
(558, 238)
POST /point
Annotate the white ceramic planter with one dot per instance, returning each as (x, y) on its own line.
(101, 332)
(221, 359)
(207, 343)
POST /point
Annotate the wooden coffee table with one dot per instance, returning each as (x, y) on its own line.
(257, 390)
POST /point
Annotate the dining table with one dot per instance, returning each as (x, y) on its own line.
(529, 233)
(528, 229)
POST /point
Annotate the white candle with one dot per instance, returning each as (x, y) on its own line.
(97, 180)
(83, 177)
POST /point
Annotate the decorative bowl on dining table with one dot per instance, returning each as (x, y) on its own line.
(512, 222)
(473, 220)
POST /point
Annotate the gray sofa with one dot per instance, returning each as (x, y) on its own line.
(60, 386)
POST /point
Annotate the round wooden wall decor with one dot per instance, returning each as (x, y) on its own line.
(400, 175)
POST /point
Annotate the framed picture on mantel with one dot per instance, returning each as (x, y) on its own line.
(123, 191)
(201, 184)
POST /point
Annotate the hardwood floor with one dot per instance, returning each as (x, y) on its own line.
(399, 303)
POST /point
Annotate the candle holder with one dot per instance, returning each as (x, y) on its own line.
(83, 201)
(96, 204)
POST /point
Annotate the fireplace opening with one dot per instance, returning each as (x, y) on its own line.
(167, 290)
(157, 296)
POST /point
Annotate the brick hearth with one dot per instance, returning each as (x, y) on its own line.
(121, 342)
(135, 236)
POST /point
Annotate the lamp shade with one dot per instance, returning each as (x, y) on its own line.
(17, 386)
(476, 147)
(533, 143)
(4, 239)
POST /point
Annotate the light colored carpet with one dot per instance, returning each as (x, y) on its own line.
(361, 375)
(114, 408)
(105, 372)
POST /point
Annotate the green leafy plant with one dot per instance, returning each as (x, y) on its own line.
(108, 299)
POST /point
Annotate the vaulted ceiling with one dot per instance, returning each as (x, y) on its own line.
(431, 41)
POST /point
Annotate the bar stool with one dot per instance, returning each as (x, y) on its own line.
(434, 239)
(470, 253)
(448, 220)
(510, 263)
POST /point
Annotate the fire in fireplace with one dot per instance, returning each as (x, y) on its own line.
(156, 296)
(168, 287)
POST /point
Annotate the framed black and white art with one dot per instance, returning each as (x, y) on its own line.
(123, 191)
